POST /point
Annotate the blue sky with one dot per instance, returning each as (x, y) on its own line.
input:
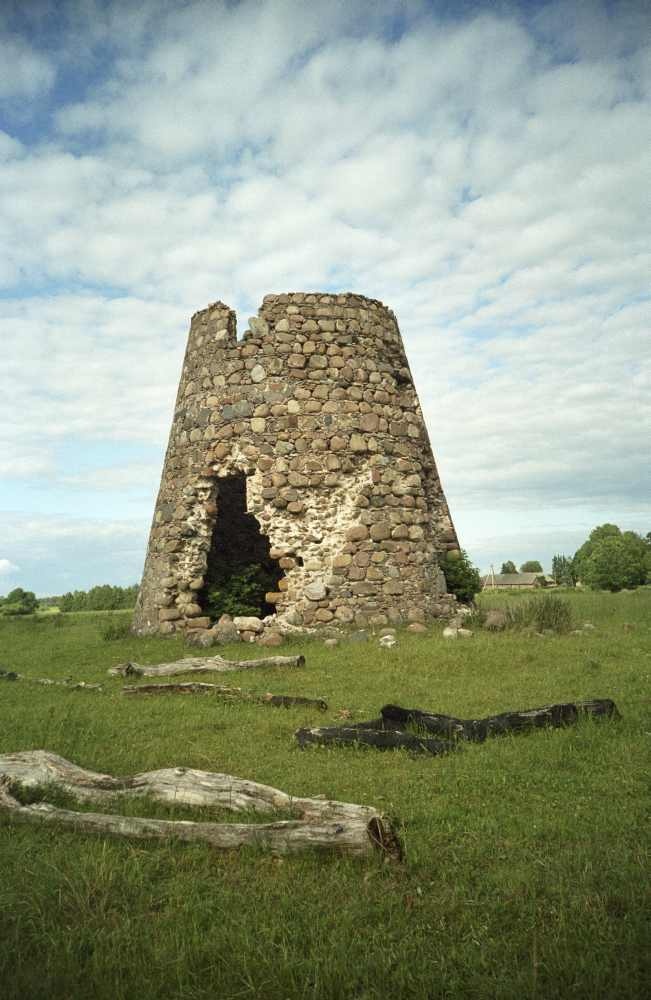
(481, 168)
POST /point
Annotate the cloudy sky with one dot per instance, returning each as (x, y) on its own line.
(481, 168)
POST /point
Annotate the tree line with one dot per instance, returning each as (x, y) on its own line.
(610, 559)
(101, 598)
(532, 566)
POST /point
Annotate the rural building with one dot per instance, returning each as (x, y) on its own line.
(302, 446)
(518, 581)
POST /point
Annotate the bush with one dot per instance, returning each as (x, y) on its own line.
(116, 628)
(240, 591)
(461, 577)
(542, 612)
(18, 602)
(15, 609)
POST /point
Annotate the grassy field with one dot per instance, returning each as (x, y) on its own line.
(525, 860)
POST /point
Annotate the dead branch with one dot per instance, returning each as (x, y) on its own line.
(202, 665)
(11, 675)
(227, 693)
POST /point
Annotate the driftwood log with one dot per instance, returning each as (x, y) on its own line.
(228, 694)
(373, 734)
(477, 730)
(353, 836)
(185, 785)
(11, 675)
(202, 665)
(323, 823)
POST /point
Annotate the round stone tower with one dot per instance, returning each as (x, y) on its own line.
(302, 446)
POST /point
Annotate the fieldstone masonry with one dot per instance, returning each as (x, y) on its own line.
(303, 442)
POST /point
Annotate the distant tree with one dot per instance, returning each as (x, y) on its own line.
(611, 559)
(604, 531)
(647, 557)
(533, 566)
(508, 567)
(72, 601)
(461, 577)
(638, 553)
(597, 534)
(48, 602)
(608, 566)
(562, 571)
(19, 602)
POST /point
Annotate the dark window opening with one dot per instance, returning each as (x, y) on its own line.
(240, 571)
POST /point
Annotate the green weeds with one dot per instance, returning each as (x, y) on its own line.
(116, 628)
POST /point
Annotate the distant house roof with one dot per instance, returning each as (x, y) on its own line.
(511, 579)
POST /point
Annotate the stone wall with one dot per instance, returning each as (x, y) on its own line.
(317, 409)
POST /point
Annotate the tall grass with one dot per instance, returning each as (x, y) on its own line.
(543, 612)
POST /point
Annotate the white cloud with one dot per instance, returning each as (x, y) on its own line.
(486, 176)
(7, 567)
(92, 367)
(58, 553)
(25, 73)
(26, 465)
(128, 477)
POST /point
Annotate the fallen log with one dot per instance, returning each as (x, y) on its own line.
(357, 837)
(228, 693)
(477, 730)
(380, 738)
(11, 675)
(185, 785)
(202, 665)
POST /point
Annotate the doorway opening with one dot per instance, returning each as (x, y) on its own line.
(240, 570)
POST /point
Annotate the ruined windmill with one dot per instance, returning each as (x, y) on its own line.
(303, 447)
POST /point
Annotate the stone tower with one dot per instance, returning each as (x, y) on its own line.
(301, 445)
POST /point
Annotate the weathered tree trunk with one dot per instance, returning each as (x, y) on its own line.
(202, 665)
(185, 785)
(228, 693)
(381, 738)
(477, 730)
(356, 836)
(11, 675)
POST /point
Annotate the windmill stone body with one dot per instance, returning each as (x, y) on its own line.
(302, 446)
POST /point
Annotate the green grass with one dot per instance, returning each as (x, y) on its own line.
(525, 856)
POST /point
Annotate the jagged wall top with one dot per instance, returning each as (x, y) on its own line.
(318, 315)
